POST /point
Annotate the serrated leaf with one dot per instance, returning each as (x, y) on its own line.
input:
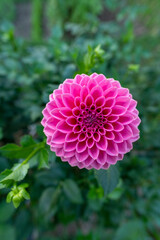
(108, 179)
(72, 191)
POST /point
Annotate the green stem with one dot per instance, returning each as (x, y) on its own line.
(41, 145)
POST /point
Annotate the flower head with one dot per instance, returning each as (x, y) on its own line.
(91, 121)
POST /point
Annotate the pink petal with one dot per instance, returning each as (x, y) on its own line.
(66, 112)
(110, 135)
(102, 144)
(125, 119)
(102, 157)
(66, 88)
(70, 137)
(132, 105)
(112, 148)
(84, 93)
(93, 152)
(68, 100)
(122, 147)
(110, 102)
(71, 121)
(117, 126)
(58, 137)
(100, 101)
(90, 142)
(96, 92)
(118, 137)
(123, 101)
(126, 132)
(82, 156)
(89, 100)
(96, 136)
(123, 92)
(64, 127)
(81, 146)
(112, 118)
(111, 92)
(118, 110)
(70, 146)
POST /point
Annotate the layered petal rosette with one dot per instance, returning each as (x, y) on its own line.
(91, 121)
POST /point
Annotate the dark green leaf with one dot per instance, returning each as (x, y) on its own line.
(7, 232)
(14, 151)
(72, 191)
(108, 179)
(6, 211)
(27, 140)
(131, 230)
(43, 158)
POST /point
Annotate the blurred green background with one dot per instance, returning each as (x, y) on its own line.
(42, 42)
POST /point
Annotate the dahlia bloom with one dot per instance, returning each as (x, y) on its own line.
(91, 121)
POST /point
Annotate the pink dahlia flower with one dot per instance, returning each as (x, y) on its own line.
(91, 121)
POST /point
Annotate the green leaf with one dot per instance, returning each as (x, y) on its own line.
(43, 158)
(17, 173)
(72, 191)
(27, 140)
(108, 179)
(6, 210)
(16, 201)
(13, 151)
(7, 232)
(131, 230)
(25, 194)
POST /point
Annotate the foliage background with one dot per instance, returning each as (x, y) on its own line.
(41, 44)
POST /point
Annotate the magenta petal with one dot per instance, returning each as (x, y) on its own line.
(58, 137)
(93, 152)
(102, 157)
(111, 92)
(132, 105)
(70, 146)
(118, 137)
(96, 165)
(110, 102)
(102, 144)
(70, 137)
(96, 92)
(90, 142)
(100, 101)
(118, 110)
(117, 126)
(112, 148)
(64, 127)
(89, 100)
(82, 156)
(126, 132)
(84, 93)
(111, 159)
(52, 122)
(65, 111)
(68, 100)
(126, 119)
(81, 146)
(122, 147)
(66, 88)
(123, 101)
